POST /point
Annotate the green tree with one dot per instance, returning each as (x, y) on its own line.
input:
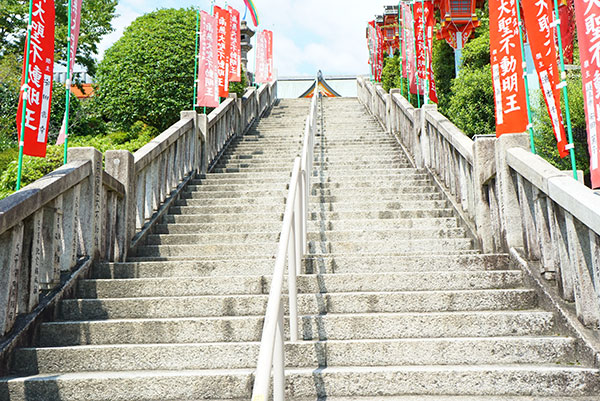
(96, 17)
(148, 74)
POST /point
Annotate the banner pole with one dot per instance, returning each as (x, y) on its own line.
(563, 84)
(525, 77)
(68, 82)
(24, 95)
(412, 11)
(196, 58)
(426, 88)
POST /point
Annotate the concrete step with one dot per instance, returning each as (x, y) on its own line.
(222, 228)
(452, 351)
(214, 195)
(321, 223)
(381, 264)
(528, 380)
(368, 204)
(221, 218)
(387, 187)
(435, 245)
(255, 305)
(253, 285)
(265, 249)
(376, 197)
(371, 234)
(312, 327)
(382, 215)
(266, 200)
(275, 206)
(213, 238)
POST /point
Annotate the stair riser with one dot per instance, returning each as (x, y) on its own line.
(218, 306)
(310, 354)
(333, 327)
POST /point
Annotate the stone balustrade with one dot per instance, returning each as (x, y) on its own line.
(84, 213)
(511, 198)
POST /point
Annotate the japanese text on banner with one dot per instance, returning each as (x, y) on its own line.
(538, 18)
(223, 49)
(208, 84)
(235, 58)
(39, 77)
(588, 31)
(506, 64)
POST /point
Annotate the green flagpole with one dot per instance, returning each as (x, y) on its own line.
(25, 90)
(196, 57)
(401, 40)
(563, 83)
(426, 88)
(524, 67)
(68, 83)
(412, 10)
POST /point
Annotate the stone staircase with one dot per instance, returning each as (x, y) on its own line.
(396, 303)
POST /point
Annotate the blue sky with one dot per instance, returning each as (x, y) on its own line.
(308, 35)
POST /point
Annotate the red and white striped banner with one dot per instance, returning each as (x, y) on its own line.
(39, 77)
(588, 32)
(208, 82)
(235, 56)
(223, 49)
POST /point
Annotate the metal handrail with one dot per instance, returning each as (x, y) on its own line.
(293, 242)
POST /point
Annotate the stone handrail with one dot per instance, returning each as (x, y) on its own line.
(85, 212)
(512, 200)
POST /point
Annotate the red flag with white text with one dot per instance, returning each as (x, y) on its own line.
(39, 77)
(507, 72)
(538, 17)
(262, 69)
(379, 59)
(208, 80)
(223, 49)
(424, 18)
(588, 33)
(235, 56)
(269, 61)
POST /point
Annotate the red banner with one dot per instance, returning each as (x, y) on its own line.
(372, 43)
(208, 82)
(269, 60)
(262, 70)
(39, 81)
(588, 33)
(538, 17)
(379, 58)
(424, 41)
(507, 71)
(567, 28)
(409, 38)
(235, 56)
(223, 49)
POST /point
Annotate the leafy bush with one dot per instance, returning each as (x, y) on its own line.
(148, 74)
(9, 99)
(471, 105)
(545, 142)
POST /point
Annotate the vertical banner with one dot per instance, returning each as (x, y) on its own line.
(39, 81)
(379, 60)
(424, 18)
(208, 82)
(269, 55)
(372, 41)
(506, 61)
(538, 18)
(588, 33)
(409, 38)
(235, 57)
(261, 73)
(402, 34)
(223, 49)
(566, 11)
(73, 42)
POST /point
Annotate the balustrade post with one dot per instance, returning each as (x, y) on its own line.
(388, 114)
(202, 151)
(421, 134)
(196, 137)
(395, 121)
(91, 200)
(484, 170)
(508, 200)
(121, 165)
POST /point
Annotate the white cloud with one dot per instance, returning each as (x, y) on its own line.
(308, 35)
